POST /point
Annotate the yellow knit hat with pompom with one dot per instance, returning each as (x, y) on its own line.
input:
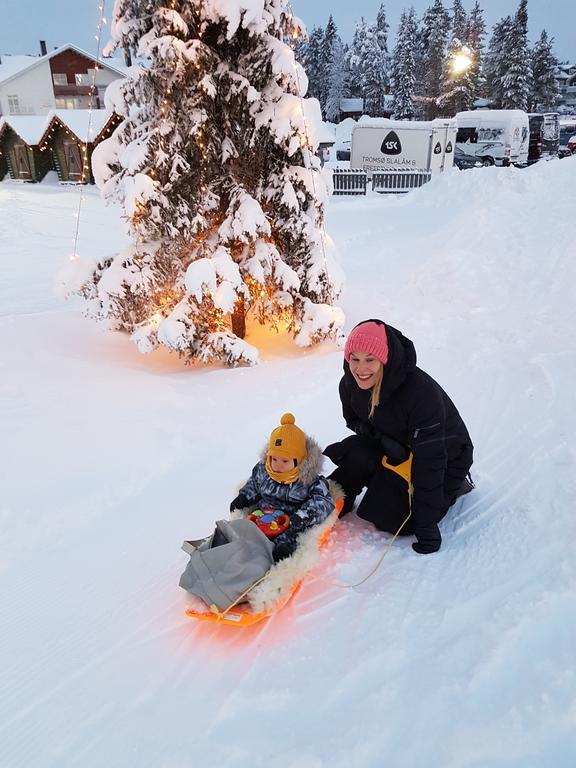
(287, 441)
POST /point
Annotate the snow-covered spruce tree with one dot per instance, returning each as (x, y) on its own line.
(544, 93)
(338, 84)
(495, 61)
(403, 67)
(436, 25)
(475, 33)
(215, 167)
(325, 63)
(459, 21)
(355, 59)
(517, 73)
(313, 63)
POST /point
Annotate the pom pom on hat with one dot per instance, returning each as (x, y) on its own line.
(287, 441)
(370, 338)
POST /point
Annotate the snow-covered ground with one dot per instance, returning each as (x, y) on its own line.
(109, 459)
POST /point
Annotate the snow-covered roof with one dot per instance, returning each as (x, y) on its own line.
(13, 65)
(351, 105)
(24, 63)
(32, 128)
(80, 123)
(325, 134)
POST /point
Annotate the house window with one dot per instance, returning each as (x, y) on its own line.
(13, 105)
(59, 79)
(65, 103)
(81, 79)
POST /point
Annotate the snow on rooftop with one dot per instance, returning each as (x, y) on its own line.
(83, 126)
(11, 65)
(326, 134)
(351, 105)
(31, 128)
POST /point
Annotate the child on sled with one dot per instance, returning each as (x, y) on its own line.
(286, 494)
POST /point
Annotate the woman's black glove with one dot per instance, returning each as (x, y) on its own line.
(240, 502)
(394, 451)
(429, 540)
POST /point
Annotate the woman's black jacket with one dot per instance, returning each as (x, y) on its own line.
(416, 412)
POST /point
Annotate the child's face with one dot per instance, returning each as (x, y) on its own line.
(281, 465)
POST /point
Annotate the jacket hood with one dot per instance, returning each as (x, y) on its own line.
(311, 466)
(401, 360)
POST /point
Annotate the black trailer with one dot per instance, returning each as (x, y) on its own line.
(544, 136)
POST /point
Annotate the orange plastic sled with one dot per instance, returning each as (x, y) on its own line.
(240, 615)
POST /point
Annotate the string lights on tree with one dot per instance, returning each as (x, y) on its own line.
(215, 165)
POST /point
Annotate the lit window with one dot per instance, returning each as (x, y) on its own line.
(59, 79)
(81, 79)
(13, 105)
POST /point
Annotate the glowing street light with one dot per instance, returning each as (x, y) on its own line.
(462, 60)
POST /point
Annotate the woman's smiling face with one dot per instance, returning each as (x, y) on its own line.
(365, 369)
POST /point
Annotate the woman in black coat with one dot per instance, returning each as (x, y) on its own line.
(398, 411)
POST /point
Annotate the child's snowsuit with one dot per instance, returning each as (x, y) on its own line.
(307, 501)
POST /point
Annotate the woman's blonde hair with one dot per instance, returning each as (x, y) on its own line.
(375, 396)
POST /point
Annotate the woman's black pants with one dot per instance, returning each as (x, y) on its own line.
(386, 502)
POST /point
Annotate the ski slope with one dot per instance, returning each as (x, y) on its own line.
(109, 459)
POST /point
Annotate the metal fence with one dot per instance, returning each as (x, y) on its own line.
(399, 181)
(349, 181)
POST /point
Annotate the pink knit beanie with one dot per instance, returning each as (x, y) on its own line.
(370, 338)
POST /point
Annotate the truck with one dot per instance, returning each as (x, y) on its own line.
(380, 145)
(544, 136)
(494, 136)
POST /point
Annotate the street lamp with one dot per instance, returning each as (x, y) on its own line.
(461, 60)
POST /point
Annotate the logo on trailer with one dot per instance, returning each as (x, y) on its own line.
(391, 144)
(438, 148)
(448, 147)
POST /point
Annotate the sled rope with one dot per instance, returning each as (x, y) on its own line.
(222, 614)
(386, 548)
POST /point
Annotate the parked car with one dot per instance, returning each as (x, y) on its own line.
(572, 144)
(463, 161)
(567, 130)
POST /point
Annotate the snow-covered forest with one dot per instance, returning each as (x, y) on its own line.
(433, 66)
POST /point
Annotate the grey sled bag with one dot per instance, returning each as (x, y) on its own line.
(223, 566)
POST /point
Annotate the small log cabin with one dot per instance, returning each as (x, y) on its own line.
(19, 144)
(70, 138)
(62, 141)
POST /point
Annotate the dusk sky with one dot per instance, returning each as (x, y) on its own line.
(25, 22)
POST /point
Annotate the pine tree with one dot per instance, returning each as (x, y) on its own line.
(338, 81)
(355, 59)
(325, 63)
(313, 63)
(403, 67)
(435, 23)
(495, 61)
(459, 21)
(475, 33)
(215, 168)
(373, 74)
(376, 66)
(544, 95)
(516, 75)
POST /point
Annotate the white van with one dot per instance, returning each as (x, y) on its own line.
(494, 136)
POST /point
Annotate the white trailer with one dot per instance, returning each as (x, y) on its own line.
(380, 145)
(494, 136)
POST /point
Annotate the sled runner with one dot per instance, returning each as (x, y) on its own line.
(274, 590)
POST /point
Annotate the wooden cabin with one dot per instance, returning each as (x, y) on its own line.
(19, 144)
(70, 138)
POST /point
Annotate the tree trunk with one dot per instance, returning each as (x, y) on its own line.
(239, 319)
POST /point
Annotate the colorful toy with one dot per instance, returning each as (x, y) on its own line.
(272, 522)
